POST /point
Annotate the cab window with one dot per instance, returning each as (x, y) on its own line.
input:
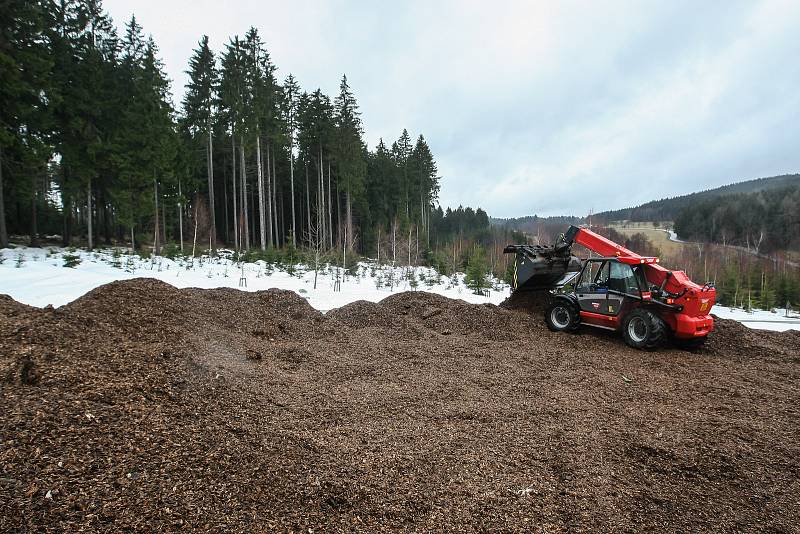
(594, 275)
(622, 278)
(602, 276)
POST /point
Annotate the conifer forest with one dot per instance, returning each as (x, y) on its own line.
(93, 149)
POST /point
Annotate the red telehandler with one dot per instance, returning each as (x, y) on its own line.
(617, 290)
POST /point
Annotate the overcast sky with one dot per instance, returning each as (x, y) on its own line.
(537, 107)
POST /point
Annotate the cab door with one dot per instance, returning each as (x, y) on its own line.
(592, 289)
(621, 281)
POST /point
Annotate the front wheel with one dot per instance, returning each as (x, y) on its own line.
(643, 329)
(562, 316)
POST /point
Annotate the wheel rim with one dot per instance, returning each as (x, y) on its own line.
(637, 329)
(560, 317)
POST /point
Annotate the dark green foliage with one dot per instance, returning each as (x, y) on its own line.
(753, 284)
(464, 222)
(26, 113)
(171, 251)
(477, 278)
(668, 209)
(71, 260)
(89, 135)
(508, 276)
(198, 100)
(764, 221)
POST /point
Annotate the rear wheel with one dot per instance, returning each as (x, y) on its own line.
(562, 316)
(643, 329)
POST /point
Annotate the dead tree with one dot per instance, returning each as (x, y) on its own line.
(315, 238)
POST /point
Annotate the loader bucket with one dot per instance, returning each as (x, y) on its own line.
(539, 268)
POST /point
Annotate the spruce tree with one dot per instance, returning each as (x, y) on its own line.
(232, 106)
(25, 113)
(349, 154)
(198, 105)
(289, 105)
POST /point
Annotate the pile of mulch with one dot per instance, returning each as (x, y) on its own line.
(532, 302)
(365, 314)
(145, 407)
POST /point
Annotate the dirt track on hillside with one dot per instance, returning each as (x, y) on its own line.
(144, 407)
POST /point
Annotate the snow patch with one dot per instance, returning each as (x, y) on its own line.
(777, 321)
(38, 277)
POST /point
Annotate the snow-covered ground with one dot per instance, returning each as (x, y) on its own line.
(761, 319)
(673, 236)
(38, 277)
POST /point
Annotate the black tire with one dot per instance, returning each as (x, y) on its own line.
(643, 329)
(562, 316)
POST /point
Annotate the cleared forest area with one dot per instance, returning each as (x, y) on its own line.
(658, 236)
(133, 407)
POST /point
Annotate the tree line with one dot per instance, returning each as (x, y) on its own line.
(92, 147)
(668, 209)
(762, 222)
(742, 278)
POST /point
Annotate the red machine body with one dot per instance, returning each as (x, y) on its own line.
(693, 320)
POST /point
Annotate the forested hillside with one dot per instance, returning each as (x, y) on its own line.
(668, 209)
(93, 149)
(765, 221)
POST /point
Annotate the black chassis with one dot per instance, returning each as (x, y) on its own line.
(609, 301)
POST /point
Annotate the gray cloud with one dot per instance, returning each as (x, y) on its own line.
(538, 107)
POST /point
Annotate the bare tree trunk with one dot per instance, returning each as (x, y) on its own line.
(409, 245)
(308, 199)
(314, 240)
(180, 214)
(194, 239)
(321, 198)
(236, 239)
(156, 247)
(416, 252)
(252, 221)
(268, 220)
(88, 214)
(428, 230)
(34, 217)
(103, 213)
(349, 223)
(3, 229)
(225, 205)
(344, 266)
(394, 240)
(212, 211)
(291, 189)
(133, 241)
(245, 218)
(280, 210)
(164, 239)
(275, 202)
(330, 216)
(340, 238)
(66, 199)
(261, 214)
